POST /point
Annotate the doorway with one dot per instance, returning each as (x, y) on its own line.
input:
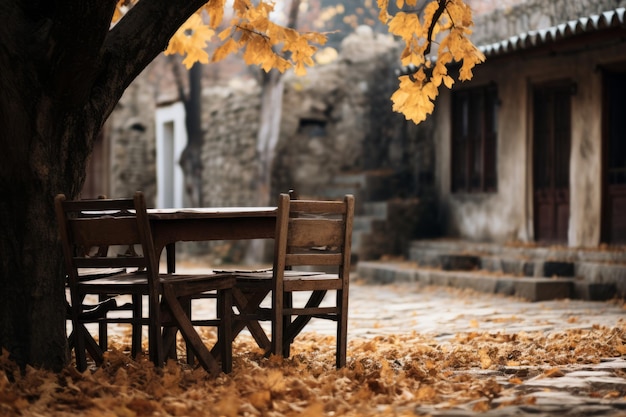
(171, 137)
(614, 160)
(551, 156)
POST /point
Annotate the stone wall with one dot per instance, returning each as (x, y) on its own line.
(231, 120)
(336, 119)
(133, 147)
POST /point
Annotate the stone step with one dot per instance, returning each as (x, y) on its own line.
(529, 251)
(600, 274)
(358, 179)
(375, 185)
(375, 209)
(529, 288)
(338, 191)
(363, 223)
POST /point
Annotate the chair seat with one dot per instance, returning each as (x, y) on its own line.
(294, 280)
(197, 284)
(287, 274)
(115, 283)
(88, 274)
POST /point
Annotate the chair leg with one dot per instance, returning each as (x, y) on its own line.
(79, 346)
(189, 351)
(137, 313)
(185, 326)
(246, 303)
(224, 334)
(103, 336)
(288, 302)
(155, 336)
(342, 328)
(92, 347)
(277, 323)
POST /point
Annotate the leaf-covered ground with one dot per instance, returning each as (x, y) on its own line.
(387, 375)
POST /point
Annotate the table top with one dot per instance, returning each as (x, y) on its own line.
(210, 212)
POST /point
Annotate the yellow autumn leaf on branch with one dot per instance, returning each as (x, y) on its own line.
(442, 25)
(384, 15)
(191, 41)
(445, 24)
(225, 49)
(215, 10)
(263, 42)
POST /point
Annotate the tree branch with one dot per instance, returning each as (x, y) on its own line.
(141, 35)
(431, 28)
(71, 60)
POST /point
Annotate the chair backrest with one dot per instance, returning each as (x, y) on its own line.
(90, 228)
(314, 233)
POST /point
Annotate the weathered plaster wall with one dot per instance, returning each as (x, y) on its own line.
(586, 158)
(508, 214)
(500, 216)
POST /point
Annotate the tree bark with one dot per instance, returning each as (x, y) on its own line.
(191, 157)
(63, 71)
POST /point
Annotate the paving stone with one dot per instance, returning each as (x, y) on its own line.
(559, 383)
(442, 313)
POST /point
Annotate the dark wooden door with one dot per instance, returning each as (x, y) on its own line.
(614, 187)
(551, 154)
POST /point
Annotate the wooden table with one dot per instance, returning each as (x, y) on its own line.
(203, 224)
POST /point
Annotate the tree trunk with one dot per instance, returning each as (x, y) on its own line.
(63, 71)
(48, 159)
(269, 131)
(191, 157)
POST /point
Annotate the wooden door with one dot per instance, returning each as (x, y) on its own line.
(551, 155)
(614, 166)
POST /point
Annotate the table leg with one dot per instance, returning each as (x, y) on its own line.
(170, 256)
(192, 338)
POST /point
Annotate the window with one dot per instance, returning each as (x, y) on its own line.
(474, 139)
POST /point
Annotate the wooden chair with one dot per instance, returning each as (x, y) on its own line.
(87, 226)
(309, 234)
(96, 312)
